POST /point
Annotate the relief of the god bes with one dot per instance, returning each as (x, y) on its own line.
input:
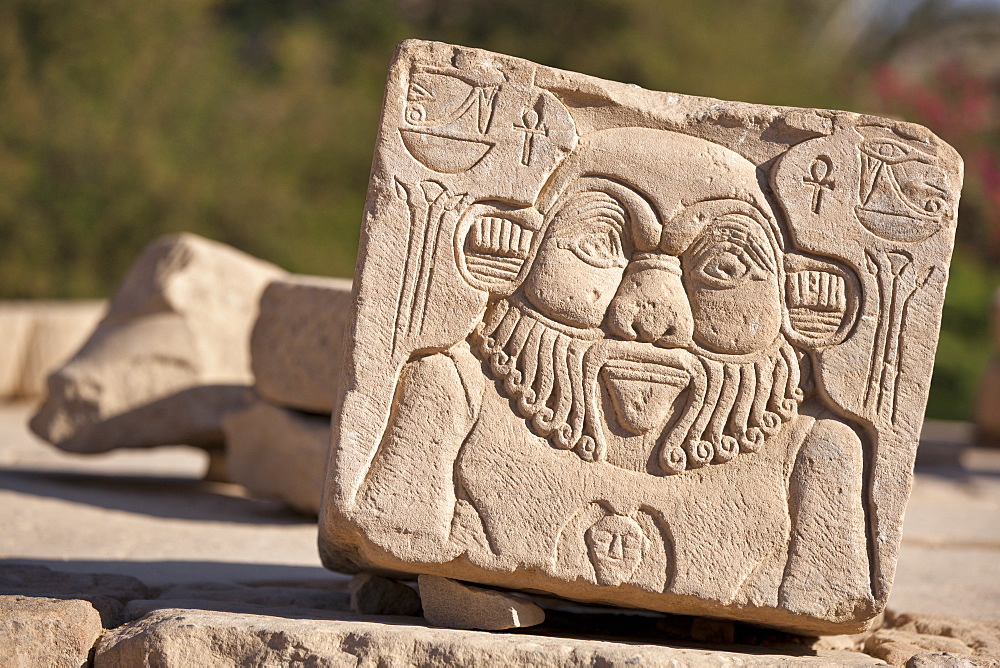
(637, 406)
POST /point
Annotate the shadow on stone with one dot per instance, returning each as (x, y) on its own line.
(175, 498)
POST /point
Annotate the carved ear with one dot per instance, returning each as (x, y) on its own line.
(822, 300)
(494, 246)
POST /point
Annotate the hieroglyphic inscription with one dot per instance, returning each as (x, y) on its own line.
(532, 126)
(819, 180)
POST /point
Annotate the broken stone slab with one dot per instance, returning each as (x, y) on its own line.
(982, 638)
(638, 348)
(914, 640)
(106, 592)
(375, 595)
(38, 631)
(277, 453)
(191, 416)
(174, 347)
(37, 336)
(898, 648)
(456, 605)
(333, 596)
(297, 344)
(200, 637)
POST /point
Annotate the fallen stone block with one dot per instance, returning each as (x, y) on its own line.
(56, 633)
(297, 344)
(37, 337)
(106, 592)
(173, 346)
(637, 348)
(375, 595)
(456, 605)
(277, 453)
(205, 638)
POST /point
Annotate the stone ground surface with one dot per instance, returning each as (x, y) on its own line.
(146, 514)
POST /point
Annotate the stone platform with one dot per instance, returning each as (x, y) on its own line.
(227, 580)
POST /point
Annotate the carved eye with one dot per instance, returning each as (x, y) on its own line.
(887, 151)
(934, 205)
(924, 195)
(598, 245)
(415, 113)
(725, 268)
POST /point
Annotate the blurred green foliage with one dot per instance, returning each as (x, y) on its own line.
(965, 345)
(253, 121)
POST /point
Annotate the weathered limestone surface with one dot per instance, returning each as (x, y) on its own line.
(460, 606)
(374, 595)
(38, 631)
(638, 348)
(206, 638)
(297, 347)
(171, 356)
(36, 337)
(277, 453)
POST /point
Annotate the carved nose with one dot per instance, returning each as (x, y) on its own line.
(651, 306)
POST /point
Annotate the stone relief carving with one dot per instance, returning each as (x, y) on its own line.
(630, 364)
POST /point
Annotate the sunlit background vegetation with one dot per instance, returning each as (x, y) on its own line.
(253, 121)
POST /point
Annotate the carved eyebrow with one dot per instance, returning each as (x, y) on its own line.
(735, 232)
(595, 206)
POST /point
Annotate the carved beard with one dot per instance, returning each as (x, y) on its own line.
(549, 372)
(733, 407)
(540, 366)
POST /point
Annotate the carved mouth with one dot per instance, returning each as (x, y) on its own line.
(643, 393)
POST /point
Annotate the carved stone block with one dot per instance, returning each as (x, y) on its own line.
(296, 349)
(638, 348)
(277, 453)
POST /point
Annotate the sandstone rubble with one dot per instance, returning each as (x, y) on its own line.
(375, 595)
(178, 324)
(460, 606)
